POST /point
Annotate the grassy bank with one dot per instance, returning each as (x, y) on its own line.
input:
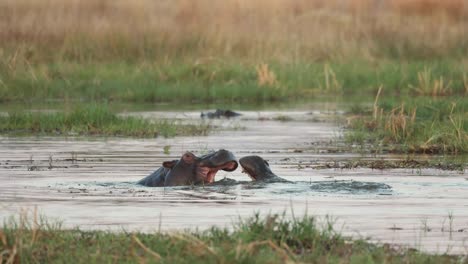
(93, 120)
(417, 125)
(237, 51)
(212, 81)
(270, 239)
(185, 51)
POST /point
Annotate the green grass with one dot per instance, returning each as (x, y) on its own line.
(420, 125)
(187, 81)
(270, 239)
(93, 120)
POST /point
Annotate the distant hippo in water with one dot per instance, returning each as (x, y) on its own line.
(191, 169)
(219, 113)
(258, 169)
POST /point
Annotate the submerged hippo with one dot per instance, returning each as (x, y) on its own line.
(191, 169)
(219, 113)
(258, 169)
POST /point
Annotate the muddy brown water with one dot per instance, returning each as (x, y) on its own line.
(90, 183)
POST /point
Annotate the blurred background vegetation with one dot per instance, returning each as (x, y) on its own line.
(246, 52)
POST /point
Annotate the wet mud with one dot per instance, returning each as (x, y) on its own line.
(91, 182)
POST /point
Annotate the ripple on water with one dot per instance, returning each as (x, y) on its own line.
(230, 189)
(351, 187)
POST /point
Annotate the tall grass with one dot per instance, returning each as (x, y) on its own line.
(206, 50)
(270, 239)
(287, 31)
(223, 81)
(422, 125)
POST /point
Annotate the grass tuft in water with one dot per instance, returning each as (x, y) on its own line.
(420, 125)
(269, 239)
(93, 120)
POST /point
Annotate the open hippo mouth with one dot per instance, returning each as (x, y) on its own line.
(249, 172)
(248, 167)
(190, 169)
(256, 167)
(211, 163)
(208, 173)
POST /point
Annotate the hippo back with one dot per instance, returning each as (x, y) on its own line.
(181, 174)
(155, 179)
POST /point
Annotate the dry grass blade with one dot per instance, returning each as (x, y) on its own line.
(331, 82)
(397, 124)
(145, 248)
(457, 124)
(196, 242)
(465, 83)
(35, 228)
(427, 143)
(13, 256)
(250, 248)
(265, 76)
(238, 249)
(4, 242)
(288, 250)
(441, 88)
(428, 86)
(3, 239)
(9, 256)
(376, 107)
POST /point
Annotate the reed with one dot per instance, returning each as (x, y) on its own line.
(422, 125)
(427, 85)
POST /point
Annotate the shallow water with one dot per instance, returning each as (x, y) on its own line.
(91, 183)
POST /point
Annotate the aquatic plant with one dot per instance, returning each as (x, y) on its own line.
(428, 86)
(423, 125)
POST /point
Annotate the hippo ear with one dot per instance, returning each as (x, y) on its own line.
(169, 164)
(266, 162)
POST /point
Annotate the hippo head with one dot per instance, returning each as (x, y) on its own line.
(191, 169)
(257, 168)
(211, 163)
(179, 172)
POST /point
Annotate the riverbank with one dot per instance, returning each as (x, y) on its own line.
(93, 120)
(259, 239)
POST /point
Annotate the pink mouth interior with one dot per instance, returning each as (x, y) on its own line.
(209, 173)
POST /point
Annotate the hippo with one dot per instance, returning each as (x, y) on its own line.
(258, 169)
(219, 113)
(190, 169)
